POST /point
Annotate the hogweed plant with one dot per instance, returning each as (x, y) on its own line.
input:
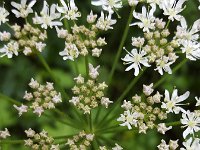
(98, 121)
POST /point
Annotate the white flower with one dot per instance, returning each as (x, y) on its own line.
(21, 109)
(105, 101)
(3, 15)
(5, 36)
(79, 79)
(40, 46)
(11, 48)
(127, 105)
(34, 84)
(30, 133)
(147, 18)
(105, 22)
(129, 119)
(69, 10)
(198, 101)
(70, 52)
(75, 100)
(22, 10)
(188, 33)
(172, 8)
(61, 33)
(192, 50)
(173, 144)
(47, 17)
(162, 128)
(57, 98)
(96, 52)
(163, 64)
(133, 2)
(27, 51)
(135, 59)
(172, 105)
(38, 110)
(91, 18)
(55, 147)
(108, 5)
(4, 134)
(163, 145)
(117, 147)
(191, 144)
(148, 89)
(191, 121)
(93, 72)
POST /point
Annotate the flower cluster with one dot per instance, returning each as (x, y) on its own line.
(90, 93)
(172, 145)
(40, 140)
(4, 134)
(84, 40)
(80, 141)
(144, 112)
(43, 97)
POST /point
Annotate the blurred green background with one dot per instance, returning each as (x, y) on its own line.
(16, 73)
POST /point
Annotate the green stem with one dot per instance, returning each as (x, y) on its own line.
(176, 123)
(125, 33)
(12, 142)
(168, 22)
(10, 99)
(131, 85)
(164, 77)
(76, 68)
(86, 66)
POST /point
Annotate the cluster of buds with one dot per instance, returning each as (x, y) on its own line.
(82, 40)
(43, 97)
(172, 145)
(40, 140)
(80, 141)
(4, 134)
(116, 147)
(29, 38)
(90, 93)
(144, 111)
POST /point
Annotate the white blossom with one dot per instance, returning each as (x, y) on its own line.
(172, 105)
(129, 119)
(30, 133)
(38, 110)
(105, 22)
(70, 52)
(34, 84)
(93, 72)
(173, 144)
(127, 105)
(135, 59)
(48, 16)
(57, 98)
(3, 15)
(108, 5)
(117, 147)
(5, 36)
(172, 8)
(4, 134)
(148, 89)
(91, 18)
(147, 18)
(69, 10)
(22, 10)
(163, 64)
(75, 100)
(198, 101)
(163, 145)
(191, 121)
(105, 101)
(10, 49)
(191, 144)
(192, 50)
(21, 109)
(162, 128)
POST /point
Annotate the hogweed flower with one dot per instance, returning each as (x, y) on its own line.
(108, 5)
(47, 17)
(162, 128)
(172, 104)
(69, 11)
(147, 18)
(163, 145)
(172, 8)
(191, 121)
(3, 15)
(10, 49)
(22, 10)
(191, 144)
(135, 58)
(4, 134)
(43, 97)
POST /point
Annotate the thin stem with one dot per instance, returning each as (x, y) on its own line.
(86, 66)
(91, 127)
(76, 68)
(125, 33)
(164, 77)
(176, 123)
(10, 99)
(12, 142)
(168, 22)
(131, 85)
